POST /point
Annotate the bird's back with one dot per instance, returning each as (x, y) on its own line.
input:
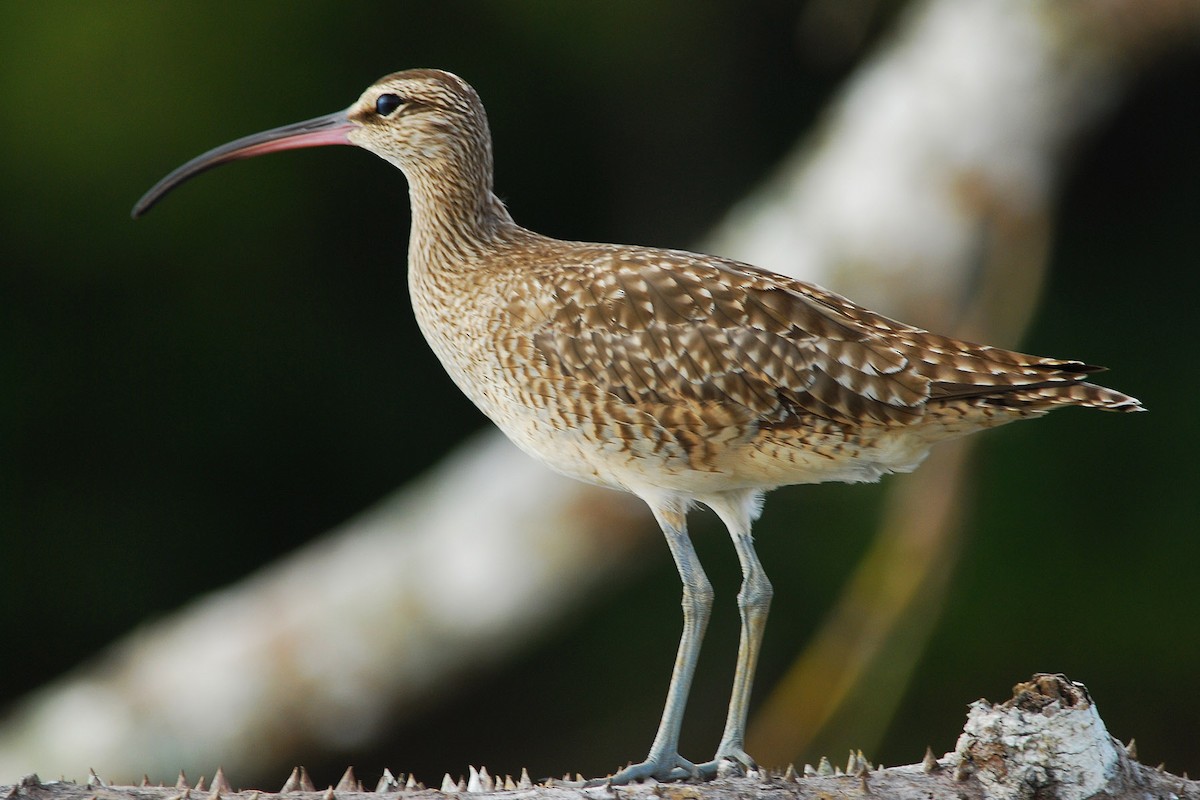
(627, 365)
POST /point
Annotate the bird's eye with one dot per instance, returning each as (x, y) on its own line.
(387, 103)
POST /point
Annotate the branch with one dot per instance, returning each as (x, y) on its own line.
(1047, 741)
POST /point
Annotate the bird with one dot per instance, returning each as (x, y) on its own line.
(685, 379)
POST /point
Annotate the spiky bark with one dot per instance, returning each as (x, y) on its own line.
(1047, 741)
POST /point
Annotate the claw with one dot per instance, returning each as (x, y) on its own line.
(728, 759)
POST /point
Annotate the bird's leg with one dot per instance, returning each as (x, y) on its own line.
(754, 601)
(664, 761)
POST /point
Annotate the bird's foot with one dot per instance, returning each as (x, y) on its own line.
(666, 767)
(729, 760)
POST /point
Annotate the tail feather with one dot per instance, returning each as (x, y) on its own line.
(1049, 395)
(987, 377)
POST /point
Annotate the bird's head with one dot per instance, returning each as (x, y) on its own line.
(421, 120)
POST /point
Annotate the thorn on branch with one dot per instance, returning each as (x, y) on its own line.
(349, 783)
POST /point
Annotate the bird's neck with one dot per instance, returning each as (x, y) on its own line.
(455, 215)
(458, 221)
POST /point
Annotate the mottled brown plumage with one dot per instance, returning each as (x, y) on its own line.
(679, 377)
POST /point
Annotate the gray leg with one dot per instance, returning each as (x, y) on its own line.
(754, 601)
(664, 761)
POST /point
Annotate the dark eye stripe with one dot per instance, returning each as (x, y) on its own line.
(387, 103)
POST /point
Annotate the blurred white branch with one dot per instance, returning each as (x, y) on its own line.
(446, 577)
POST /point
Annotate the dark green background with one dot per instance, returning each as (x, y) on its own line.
(185, 398)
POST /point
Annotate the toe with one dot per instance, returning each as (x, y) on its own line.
(671, 767)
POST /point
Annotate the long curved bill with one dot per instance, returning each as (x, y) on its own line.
(329, 129)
